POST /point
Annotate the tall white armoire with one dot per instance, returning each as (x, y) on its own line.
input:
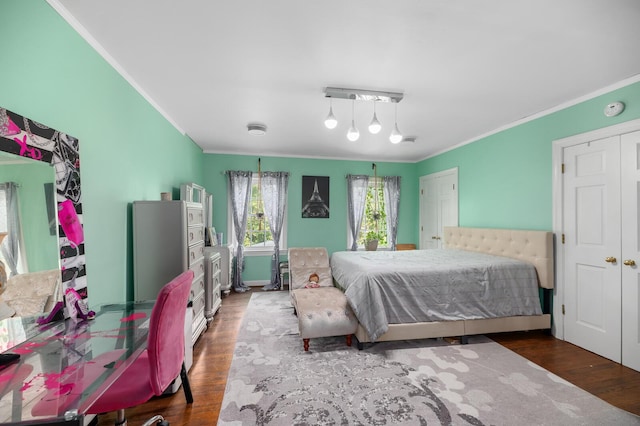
(168, 239)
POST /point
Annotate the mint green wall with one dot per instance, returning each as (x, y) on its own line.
(505, 180)
(330, 233)
(128, 150)
(41, 247)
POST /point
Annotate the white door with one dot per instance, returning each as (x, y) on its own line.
(438, 206)
(429, 214)
(630, 178)
(591, 187)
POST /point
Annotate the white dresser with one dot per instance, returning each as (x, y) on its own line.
(226, 258)
(212, 293)
(168, 239)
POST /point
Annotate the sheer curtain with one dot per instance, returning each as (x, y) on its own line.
(274, 196)
(11, 243)
(357, 186)
(240, 194)
(391, 194)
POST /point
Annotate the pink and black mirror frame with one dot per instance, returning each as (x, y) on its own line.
(27, 138)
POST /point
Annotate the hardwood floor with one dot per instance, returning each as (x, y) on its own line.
(618, 385)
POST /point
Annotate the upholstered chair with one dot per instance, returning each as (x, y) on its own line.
(304, 261)
(322, 311)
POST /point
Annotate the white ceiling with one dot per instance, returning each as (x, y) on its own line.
(466, 68)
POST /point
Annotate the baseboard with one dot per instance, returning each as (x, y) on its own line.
(257, 283)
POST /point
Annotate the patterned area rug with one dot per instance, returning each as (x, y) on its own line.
(272, 381)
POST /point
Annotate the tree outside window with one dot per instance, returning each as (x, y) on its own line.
(258, 230)
(375, 218)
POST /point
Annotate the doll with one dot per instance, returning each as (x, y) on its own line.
(313, 282)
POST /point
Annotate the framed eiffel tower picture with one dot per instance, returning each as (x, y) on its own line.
(315, 197)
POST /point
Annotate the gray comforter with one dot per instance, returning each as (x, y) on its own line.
(394, 287)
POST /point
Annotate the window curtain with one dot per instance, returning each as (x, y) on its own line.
(356, 199)
(274, 196)
(391, 193)
(11, 244)
(240, 191)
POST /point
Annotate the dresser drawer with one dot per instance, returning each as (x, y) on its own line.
(198, 268)
(196, 252)
(216, 267)
(195, 216)
(217, 280)
(195, 234)
(197, 287)
(216, 299)
(198, 306)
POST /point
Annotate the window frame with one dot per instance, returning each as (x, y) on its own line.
(371, 185)
(255, 250)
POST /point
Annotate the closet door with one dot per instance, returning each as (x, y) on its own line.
(438, 207)
(591, 188)
(630, 178)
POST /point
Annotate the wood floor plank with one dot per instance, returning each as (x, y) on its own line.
(618, 385)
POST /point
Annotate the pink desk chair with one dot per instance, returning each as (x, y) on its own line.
(163, 360)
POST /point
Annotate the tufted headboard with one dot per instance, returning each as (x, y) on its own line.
(531, 246)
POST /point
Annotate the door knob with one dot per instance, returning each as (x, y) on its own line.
(434, 238)
(610, 259)
(630, 262)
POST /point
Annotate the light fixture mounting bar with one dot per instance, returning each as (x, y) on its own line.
(362, 95)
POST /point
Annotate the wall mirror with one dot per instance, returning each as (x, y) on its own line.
(46, 163)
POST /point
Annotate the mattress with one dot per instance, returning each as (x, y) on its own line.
(398, 287)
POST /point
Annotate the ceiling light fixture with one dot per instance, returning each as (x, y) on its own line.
(331, 121)
(396, 136)
(375, 125)
(363, 95)
(353, 134)
(257, 129)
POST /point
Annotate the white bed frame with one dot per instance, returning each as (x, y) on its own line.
(535, 247)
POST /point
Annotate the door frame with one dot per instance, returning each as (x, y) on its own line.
(558, 147)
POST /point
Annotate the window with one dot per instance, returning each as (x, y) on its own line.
(258, 232)
(3, 209)
(258, 238)
(375, 218)
(4, 227)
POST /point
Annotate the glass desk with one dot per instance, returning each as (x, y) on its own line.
(65, 366)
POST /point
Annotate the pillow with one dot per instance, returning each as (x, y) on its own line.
(6, 311)
(27, 306)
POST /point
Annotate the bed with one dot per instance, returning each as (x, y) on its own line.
(485, 281)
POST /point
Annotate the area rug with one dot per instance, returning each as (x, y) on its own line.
(273, 381)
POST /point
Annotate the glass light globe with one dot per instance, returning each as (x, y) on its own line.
(375, 125)
(330, 122)
(396, 136)
(353, 134)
